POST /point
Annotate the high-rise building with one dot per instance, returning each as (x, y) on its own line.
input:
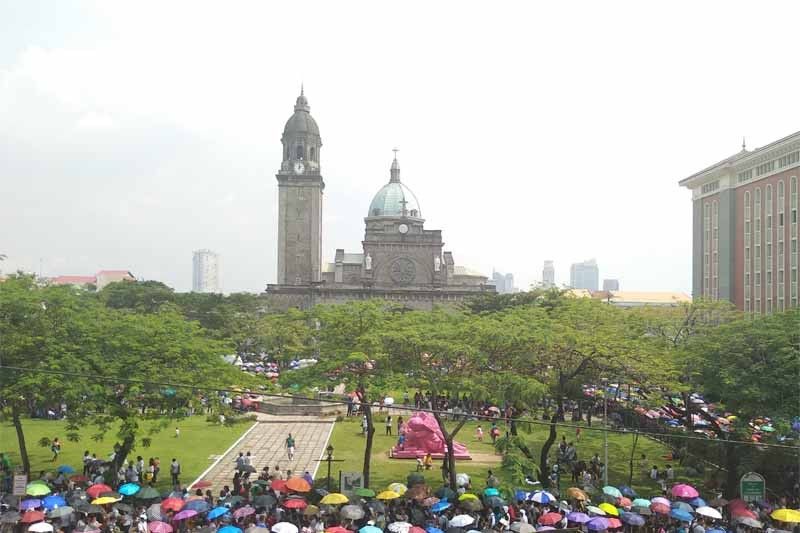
(205, 272)
(744, 227)
(503, 283)
(584, 275)
(548, 275)
(610, 284)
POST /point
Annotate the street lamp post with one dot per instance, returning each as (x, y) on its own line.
(329, 459)
(605, 431)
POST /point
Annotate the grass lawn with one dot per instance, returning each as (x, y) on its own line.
(195, 449)
(349, 446)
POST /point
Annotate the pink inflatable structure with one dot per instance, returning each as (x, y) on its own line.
(422, 435)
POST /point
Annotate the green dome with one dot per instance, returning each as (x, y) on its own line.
(391, 199)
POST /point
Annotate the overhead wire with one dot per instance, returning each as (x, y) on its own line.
(523, 420)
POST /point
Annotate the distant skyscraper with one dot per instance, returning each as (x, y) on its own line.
(584, 275)
(548, 275)
(610, 284)
(205, 274)
(503, 283)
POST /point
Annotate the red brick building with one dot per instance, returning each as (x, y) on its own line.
(744, 245)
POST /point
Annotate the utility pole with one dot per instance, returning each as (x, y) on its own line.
(605, 431)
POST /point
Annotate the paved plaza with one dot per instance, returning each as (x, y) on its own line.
(267, 444)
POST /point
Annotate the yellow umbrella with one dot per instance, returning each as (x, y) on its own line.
(467, 496)
(334, 498)
(387, 495)
(399, 488)
(105, 500)
(577, 494)
(786, 515)
(609, 509)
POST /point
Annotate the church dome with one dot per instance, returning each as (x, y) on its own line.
(301, 121)
(394, 199)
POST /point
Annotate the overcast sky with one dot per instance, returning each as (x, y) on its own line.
(132, 133)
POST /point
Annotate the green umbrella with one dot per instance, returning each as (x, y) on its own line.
(37, 489)
(768, 429)
(147, 493)
(365, 493)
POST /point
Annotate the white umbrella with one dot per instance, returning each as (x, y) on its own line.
(543, 497)
(41, 527)
(522, 527)
(399, 527)
(284, 527)
(461, 520)
(709, 512)
(388, 400)
(462, 480)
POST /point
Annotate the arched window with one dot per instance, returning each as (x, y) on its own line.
(298, 152)
(312, 156)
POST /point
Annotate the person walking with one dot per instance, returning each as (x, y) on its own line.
(389, 425)
(175, 471)
(290, 446)
(55, 447)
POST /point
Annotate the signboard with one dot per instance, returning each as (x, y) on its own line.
(20, 482)
(752, 487)
(350, 481)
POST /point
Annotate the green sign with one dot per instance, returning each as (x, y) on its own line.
(752, 487)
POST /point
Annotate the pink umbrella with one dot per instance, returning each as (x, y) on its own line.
(244, 511)
(684, 491)
(183, 515)
(661, 500)
(159, 527)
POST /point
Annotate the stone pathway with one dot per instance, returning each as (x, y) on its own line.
(267, 445)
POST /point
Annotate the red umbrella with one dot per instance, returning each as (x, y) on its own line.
(613, 523)
(733, 504)
(243, 511)
(278, 484)
(295, 503)
(741, 512)
(337, 529)
(172, 504)
(32, 516)
(202, 484)
(95, 490)
(550, 519)
(79, 479)
(624, 502)
(416, 529)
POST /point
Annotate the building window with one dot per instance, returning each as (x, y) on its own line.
(312, 154)
(745, 175)
(764, 168)
(780, 220)
(298, 151)
(710, 187)
(789, 159)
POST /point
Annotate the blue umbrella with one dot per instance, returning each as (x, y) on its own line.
(66, 469)
(129, 489)
(370, 529)
(31, 503)
(598, 523)
(200, 506)
(680, 514)
(627, 491)
(229, 529)
(578, 518)
(438, 507)
(433, 530)
(216, 512)
(51, 502)
(491, 491)
(633, 519)
(697, 502)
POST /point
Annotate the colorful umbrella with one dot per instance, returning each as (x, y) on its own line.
(683, 506)
(684, 491)
(659, 508)
(624, 502)
(661, 500)
(680, 514)
(399, 488)
(491, 491)
(364, 493)
(578, 517)
(633, 519)
(612, 491)
(32, 516)
(60, 512)
(614, 523)
(278, 485)
(104, 500)
(598, 523)
(709, 512)
(243, 511)
(627, 491)
(370, 529)
(296, 503)
(95, 490)
(216, 512)
(467, 496)
(147, 493)
(609, 509)
(337, 529)
(129, 489)
(200, 506)
(334, 498)
(640, 502)
(388, 495)
(53, 501)
(461, 520)
(37, 489)
(229, 529)
(440, 506)
(31, 503)
(183, 515)
(65, 469)
(298, 484)
(550, 519)
(41, 527)
(543, 497)
(596, 510)
(284, 527)
(786, 515)
(172, 504)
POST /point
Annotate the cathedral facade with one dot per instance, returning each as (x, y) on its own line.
(400, 259)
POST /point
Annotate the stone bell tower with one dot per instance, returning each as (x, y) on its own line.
(300, 188)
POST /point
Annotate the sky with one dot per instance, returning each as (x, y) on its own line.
(132, 133)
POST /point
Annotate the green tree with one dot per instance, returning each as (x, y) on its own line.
(139, 296)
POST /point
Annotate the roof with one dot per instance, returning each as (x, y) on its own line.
(649, 297)
(739, 155)
(353, 259)
(111, 273)
(73, 280)
(465, 271)
(301, 121)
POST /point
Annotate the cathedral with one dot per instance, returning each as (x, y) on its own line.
(400, 260)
